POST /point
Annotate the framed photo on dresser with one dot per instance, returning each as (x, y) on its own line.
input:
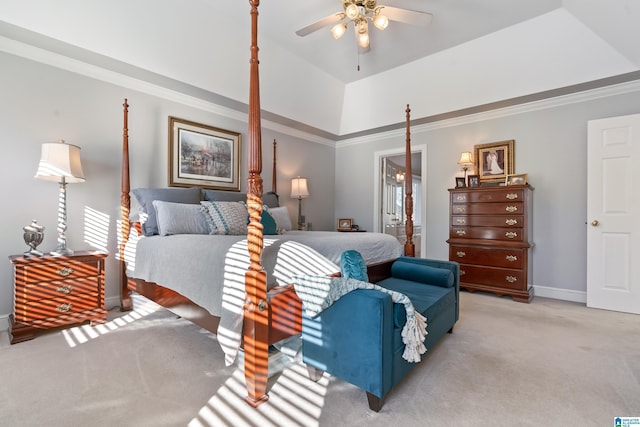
(474, 181)
(494, 161)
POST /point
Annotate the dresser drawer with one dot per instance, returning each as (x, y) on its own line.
(49, 271)
(488, 220)
(55, 307)
(489, 233)
(500, 277)
(59, 288)
(488, 196)
(509, 258)
(487, 208)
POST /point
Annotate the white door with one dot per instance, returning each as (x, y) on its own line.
(613, 214)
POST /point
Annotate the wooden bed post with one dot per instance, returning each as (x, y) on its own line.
(125, 206)
(409, 246)
(256, 328)
(274, 181)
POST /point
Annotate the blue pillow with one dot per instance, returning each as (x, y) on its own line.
(352, 266)
(412, 270)
(146, 196)
(269, 225)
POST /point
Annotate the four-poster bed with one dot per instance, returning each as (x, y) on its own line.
(269, 313)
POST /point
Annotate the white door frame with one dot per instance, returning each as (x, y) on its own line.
(377, 158)
(613, 234)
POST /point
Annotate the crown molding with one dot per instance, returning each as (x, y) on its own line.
(36, 47)
(491, 113)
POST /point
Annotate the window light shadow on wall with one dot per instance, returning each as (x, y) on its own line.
(96, 229)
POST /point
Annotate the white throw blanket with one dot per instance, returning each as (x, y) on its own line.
(319, 292)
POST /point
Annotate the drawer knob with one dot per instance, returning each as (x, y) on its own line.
(461, 198)
(460, 221)
(462, 272)
(64, 308)
(511, 234)
(511, 221)
(512, 196)
(511, 279)
(64, 271)
(461, 254)
(512, 258)
(66, 289)
(461, 232)
(511, 209)
(459, 209)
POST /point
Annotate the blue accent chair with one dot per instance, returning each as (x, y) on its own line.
(358, 338)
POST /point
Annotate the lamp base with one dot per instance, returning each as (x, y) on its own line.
(62, 252)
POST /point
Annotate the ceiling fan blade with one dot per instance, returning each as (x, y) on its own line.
(407, 16)
(331, 19)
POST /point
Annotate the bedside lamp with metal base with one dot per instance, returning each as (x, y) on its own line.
(60, 162)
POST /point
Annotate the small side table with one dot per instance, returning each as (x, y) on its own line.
(52, 291)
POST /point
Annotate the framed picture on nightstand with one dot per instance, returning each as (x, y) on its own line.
(345, 223)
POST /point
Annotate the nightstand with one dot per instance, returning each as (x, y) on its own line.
(52, 291)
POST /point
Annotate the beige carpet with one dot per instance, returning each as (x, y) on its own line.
(548, 363)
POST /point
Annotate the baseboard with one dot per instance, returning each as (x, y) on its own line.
(4, 322)
(562, 294)
(111, 302)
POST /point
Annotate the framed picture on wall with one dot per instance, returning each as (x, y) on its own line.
(203, 156)
(494, 161)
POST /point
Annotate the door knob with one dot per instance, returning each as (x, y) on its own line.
(595, 223)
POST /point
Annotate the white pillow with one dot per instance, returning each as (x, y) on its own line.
(281, 216)
(226, 217)
(179, 218)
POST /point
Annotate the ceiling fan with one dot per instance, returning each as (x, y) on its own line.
(360, 12)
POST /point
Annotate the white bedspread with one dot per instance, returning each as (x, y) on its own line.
(209, 269)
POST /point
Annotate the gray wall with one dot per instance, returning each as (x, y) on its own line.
(44, 104)
(550, 146)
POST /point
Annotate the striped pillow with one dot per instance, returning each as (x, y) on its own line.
(226, 217)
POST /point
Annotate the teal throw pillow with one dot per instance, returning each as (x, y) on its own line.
(352, 266)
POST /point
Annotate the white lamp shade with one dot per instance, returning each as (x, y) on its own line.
(58, 160)
(299, 188)
(466, 158)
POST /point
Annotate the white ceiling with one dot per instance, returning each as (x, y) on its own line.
(474, 52)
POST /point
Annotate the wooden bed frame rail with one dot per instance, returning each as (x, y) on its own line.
(268, 316)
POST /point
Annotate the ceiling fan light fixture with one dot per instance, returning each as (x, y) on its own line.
(363, 40)
(380, 21)
(352, 11)
(338, 30)
(362, 33)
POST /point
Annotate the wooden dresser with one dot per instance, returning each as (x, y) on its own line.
(54, 291)
(490, 236)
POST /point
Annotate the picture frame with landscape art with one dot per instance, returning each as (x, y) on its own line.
(203, 156)
(494, 161)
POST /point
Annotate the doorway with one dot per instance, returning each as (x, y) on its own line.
(389, 196)
(613, 235)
